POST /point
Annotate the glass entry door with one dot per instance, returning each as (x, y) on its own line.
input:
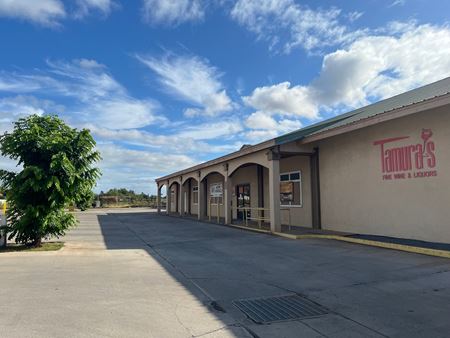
(243, 200)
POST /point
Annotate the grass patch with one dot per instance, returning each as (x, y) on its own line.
(46, 246)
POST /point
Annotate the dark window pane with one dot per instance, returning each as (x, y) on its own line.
(284, 177)
(295, 176)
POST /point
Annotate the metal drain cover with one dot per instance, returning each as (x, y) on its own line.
(274, 309)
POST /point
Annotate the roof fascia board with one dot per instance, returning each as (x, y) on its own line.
(300, 134)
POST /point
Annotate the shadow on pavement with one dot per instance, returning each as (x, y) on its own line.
(362, 286)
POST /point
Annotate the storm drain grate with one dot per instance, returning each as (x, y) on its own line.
(268, 310)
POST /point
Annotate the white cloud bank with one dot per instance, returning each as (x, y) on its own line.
(98, 97)
(291, 25)
(371, 68)
(194, 80)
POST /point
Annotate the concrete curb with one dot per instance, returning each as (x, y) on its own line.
(392, 246)
(248, 228)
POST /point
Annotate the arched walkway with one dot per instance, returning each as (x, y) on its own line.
(161, 197)
(250, 201)
(212, 196)
(189, 198)
(174, 197)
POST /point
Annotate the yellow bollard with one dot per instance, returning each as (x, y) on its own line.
(4, 208)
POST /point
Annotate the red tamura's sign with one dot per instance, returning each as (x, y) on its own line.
(405, 161)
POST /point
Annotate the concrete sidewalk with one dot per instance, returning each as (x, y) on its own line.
(86, 290)
(133, 273)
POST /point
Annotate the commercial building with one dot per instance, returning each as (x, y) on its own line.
(383, 169)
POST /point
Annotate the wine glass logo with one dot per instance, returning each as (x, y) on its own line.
(426, 135)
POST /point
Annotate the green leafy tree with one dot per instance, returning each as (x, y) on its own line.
(57, 169)
(86, 199)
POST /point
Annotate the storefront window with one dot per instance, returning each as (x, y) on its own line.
(291, 189)
(195, 195)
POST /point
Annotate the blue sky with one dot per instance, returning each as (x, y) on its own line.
(165, 84)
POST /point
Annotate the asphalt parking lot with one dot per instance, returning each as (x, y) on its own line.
(133, 273)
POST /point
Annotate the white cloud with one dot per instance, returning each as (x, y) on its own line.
(97, 96)
(51, 12)
(94, 99)
(260, 120)
(45, 12)
(371, 68)
(289, 24)
(283, 99)
(172, 12)
(136, 169)
(383, 66)
(263, 126)
(397, 3)
(86, 6)
(15, 107)
(208, 131)
(194, 80)
(353, 16)
(179, 141)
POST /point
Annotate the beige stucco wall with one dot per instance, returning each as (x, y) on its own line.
(355, 198)
(298, 215)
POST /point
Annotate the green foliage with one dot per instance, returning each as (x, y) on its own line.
(57, 171)
(126, 198)
(86, 200)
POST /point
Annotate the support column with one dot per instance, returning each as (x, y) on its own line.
(201, 198)
(168, 198)
(158, 198)
(260, 177)
(228, 193)
(189, 196)
(181, 200)
(315, 190)
(274, 193)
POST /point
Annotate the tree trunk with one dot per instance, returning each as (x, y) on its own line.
(37, 242)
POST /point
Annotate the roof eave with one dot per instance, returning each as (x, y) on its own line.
(396, 113)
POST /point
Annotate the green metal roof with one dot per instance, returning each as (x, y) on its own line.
(427, 92)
